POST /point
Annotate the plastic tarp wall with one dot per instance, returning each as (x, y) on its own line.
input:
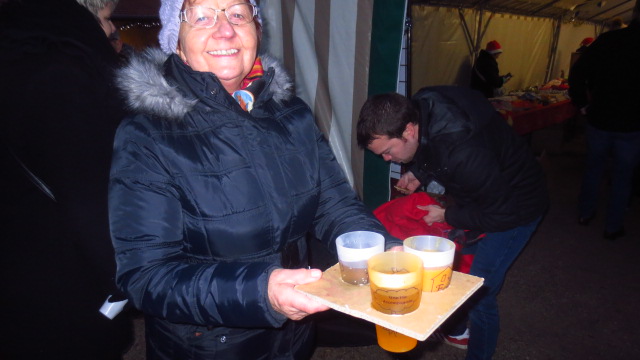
(439, 51)
(440, 54)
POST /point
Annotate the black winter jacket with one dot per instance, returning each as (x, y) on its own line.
(485, 76)
(59, 111)
(490, 173)
(206, 200)
(606, 79)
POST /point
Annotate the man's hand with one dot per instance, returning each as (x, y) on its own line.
(436, 214)
(287, 301)
(407, 183)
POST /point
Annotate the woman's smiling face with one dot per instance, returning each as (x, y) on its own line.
(229, 51)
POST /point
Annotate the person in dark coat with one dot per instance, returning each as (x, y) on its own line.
(454, 136)
(485, 75)
(603, 84)
(216, 181)
(59, 110)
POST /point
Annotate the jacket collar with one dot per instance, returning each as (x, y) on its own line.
(158, 84)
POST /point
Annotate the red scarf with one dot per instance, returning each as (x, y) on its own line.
(256, 72)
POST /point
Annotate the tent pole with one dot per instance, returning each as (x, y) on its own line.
(478, 42)
(486, 26)
(554, 49)
(467, 33)
(408, 24)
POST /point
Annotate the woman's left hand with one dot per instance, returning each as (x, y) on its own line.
(289, 302)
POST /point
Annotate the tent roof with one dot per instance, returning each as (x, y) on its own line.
(598, 11)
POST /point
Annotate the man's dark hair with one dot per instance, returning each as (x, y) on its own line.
(384, 114)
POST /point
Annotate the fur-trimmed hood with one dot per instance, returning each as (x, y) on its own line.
(147, 90)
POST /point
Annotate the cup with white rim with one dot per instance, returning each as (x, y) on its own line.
(354, 249)
(437, 255)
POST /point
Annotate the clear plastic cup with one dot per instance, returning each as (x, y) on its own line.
(354, 249)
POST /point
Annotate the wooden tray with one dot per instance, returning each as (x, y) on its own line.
(355, 300)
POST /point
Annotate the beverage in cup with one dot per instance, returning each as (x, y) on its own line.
(437, 259)
(393, 341)
(354, 249)
(395, 279)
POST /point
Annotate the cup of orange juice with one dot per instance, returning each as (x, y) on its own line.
(437, 258)
(395, 279)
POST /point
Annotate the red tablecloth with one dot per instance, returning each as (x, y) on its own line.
(527, 121)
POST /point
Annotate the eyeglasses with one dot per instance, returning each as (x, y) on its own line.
(204, 17)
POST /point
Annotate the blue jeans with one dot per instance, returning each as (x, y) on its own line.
(493, 257)
(624, 149)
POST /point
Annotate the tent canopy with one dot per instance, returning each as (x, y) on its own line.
(595, 11)
(598, 11)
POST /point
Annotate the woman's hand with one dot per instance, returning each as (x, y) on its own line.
(436, 214)
(289, 302)
(407, 183)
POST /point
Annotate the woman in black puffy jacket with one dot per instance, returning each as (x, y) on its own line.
(215, 184)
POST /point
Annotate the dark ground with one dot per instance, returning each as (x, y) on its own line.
(570, 295)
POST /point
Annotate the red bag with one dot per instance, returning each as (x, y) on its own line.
(402, 219)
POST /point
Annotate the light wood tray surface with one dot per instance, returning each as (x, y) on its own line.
(355, 300)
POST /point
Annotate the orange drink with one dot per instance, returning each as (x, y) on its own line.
(396, 301)
(437, 258)
(393, 341)
(395, 279)
(436, 279)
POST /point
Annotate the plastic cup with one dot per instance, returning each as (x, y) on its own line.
(354, 249)
(396, 289)
(437, 258)
(394, 341)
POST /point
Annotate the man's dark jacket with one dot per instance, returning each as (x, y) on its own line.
(485, 76)
(606, 80)
(58, 115)
(489, 171)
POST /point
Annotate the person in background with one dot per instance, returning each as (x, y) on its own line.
(102, 10)
(123, 49)
(584, 44)
(59, 111)
(454, 136)
(485, 75)
(603, 84)
(216, 181)
(616, 24)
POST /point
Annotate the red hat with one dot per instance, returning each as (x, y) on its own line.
(493, 47)
(586, 41)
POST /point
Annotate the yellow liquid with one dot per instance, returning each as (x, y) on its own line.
(393, 341)
(396, 301)
(436, 279)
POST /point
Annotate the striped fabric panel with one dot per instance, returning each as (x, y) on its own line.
(325, 44)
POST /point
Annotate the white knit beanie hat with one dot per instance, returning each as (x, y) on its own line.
(170, 19)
